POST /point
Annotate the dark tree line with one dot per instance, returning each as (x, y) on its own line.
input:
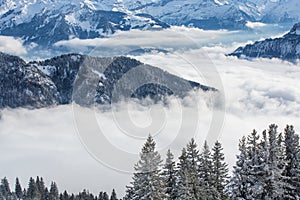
(267, 168)
(36, 190)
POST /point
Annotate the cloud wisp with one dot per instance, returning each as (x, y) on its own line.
(12, 45)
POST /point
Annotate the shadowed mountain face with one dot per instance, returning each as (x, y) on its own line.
(285, 48)
(84, 80)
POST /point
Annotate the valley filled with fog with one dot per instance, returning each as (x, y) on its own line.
(50, 142)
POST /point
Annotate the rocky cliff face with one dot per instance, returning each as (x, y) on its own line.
(84, 80)
(285, 48)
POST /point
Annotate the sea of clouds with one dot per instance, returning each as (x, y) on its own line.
(63, 143)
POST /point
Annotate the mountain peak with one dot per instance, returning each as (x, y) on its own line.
(296, 29)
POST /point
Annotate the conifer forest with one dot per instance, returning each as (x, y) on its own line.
(267, 167)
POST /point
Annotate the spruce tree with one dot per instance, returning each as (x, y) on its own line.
(129, 193)
(32, 191)
(169, 176)
(113, 195)
(18, 189)
(292, 168)
(219, 170)
(184, 191)
(147, 181)
(5, 188)
(238, 185)
(193, 157)
(54, 194)
(255, 165)
(271, 151)
(205, 173)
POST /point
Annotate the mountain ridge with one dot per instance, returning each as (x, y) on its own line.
(85, 80)
(286, 47)
(44, 22)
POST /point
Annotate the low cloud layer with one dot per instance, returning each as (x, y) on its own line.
(12, 45)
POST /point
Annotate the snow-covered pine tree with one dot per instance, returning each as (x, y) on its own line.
(129, 193)
(5, 188)
(169, 176)
(255, 165)
(271, 155)
(18, 189)
(205, 173)
(147, 181)
(193, 158)
(219, 170)
(32, 191)
(64, 196)
(238, 184)
(113, 195)
(292, 168)
(54, 193)
(40, 184)
(184, 191)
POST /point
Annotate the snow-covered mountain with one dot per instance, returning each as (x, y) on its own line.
(45, 22)
(84, 80)
(216, 14)
(286, 47)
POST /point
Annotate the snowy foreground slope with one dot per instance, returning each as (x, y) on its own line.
(84, 80)
(286, 47)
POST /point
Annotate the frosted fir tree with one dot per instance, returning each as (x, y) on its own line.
(193, 158)
(5, 188)
(32, 189)
(169, 176)
(54, 193)
(103, 196)
(205, 173)
(238, 185)
(219, 170)
(271, 165)
(147, 181)
(255, 166)
(292, 168)
(18, 189)
(184, 189)
(113, 195)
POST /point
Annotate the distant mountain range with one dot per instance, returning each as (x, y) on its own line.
(44, 22)
(285, 48)
(84, 80)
